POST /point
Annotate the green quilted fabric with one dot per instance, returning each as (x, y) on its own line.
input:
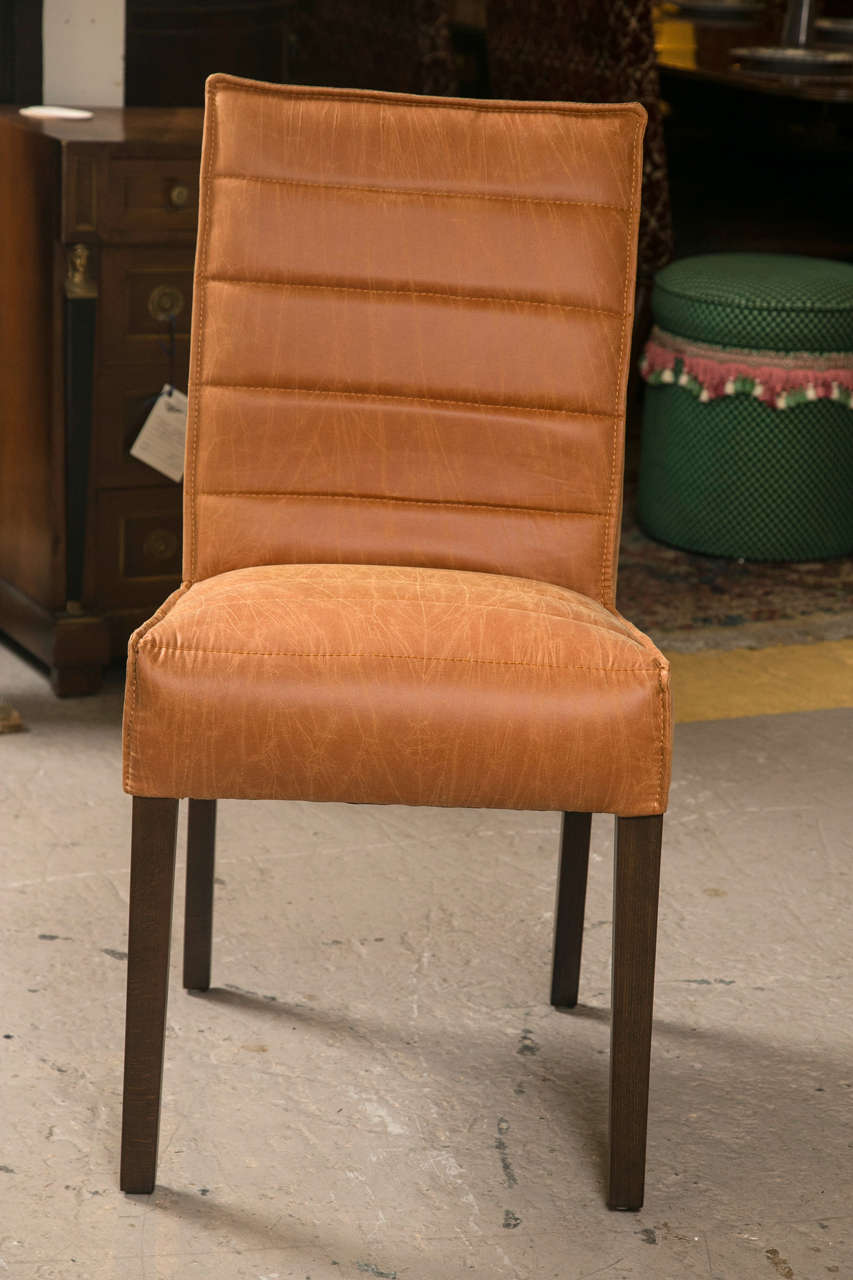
(765, 301)
(738, 478)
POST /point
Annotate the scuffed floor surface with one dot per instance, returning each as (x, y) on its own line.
(377, 1086)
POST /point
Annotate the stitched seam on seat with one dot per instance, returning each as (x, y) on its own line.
(662, 706)
(645, 641)
(412, 502)
(412, 293)
(607, 586)
(440, 192)
(385, 395)
(165, 608)
(389, 657)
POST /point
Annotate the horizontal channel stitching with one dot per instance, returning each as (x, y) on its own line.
(439, 193)
(410, 502)
(413, 293)
(385, 395)
(389, 657)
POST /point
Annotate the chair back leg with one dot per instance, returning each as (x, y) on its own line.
(152, 877)
(569, 913)
(635, 911)
(198, 914)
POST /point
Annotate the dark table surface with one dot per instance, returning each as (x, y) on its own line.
(702, 51)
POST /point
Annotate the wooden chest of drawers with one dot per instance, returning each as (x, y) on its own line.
(97, 234)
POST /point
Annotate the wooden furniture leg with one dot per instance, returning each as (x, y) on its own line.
(568, 917)
(198, 914)
(152, 875)
(635, 910)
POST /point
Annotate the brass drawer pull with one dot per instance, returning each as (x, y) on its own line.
(179, 195)
(165, 302)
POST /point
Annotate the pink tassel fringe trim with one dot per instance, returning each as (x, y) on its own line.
(776, 378)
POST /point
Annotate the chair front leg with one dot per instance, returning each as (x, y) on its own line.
(198, 914)
(635, 910)
(152, 876)
(568, 917)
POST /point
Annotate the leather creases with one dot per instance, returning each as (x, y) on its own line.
(385, 685)
(410, 341)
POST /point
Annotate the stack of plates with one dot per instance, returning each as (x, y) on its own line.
(794, 61)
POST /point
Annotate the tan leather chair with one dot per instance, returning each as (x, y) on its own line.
(403, 486)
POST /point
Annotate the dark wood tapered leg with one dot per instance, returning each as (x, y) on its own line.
(635, 914)
(568, 918)
(152, 877)
(198, 916)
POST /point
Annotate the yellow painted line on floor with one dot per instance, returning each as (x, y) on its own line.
(726, 684)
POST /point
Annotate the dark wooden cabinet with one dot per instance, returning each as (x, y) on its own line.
(97, 234)
(187, 41)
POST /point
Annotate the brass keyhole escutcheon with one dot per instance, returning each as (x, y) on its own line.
(161, 544)
(179, 195)
(165, 303)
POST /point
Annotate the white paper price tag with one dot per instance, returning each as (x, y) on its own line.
(163, 437)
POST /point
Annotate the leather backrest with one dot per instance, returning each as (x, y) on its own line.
(411, 330)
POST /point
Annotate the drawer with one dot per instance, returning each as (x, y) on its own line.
(154, 196)
(123, 400)
(140, 291)
(137, 554)
(118, 197)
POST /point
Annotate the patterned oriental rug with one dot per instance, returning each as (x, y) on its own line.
(689, 602)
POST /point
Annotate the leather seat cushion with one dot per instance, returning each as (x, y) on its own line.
(388, 685)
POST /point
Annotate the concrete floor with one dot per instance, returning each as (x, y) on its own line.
(377, 1087)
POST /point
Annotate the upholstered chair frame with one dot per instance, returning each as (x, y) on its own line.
(411, 334)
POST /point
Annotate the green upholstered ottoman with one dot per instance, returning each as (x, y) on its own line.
(748, 418)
